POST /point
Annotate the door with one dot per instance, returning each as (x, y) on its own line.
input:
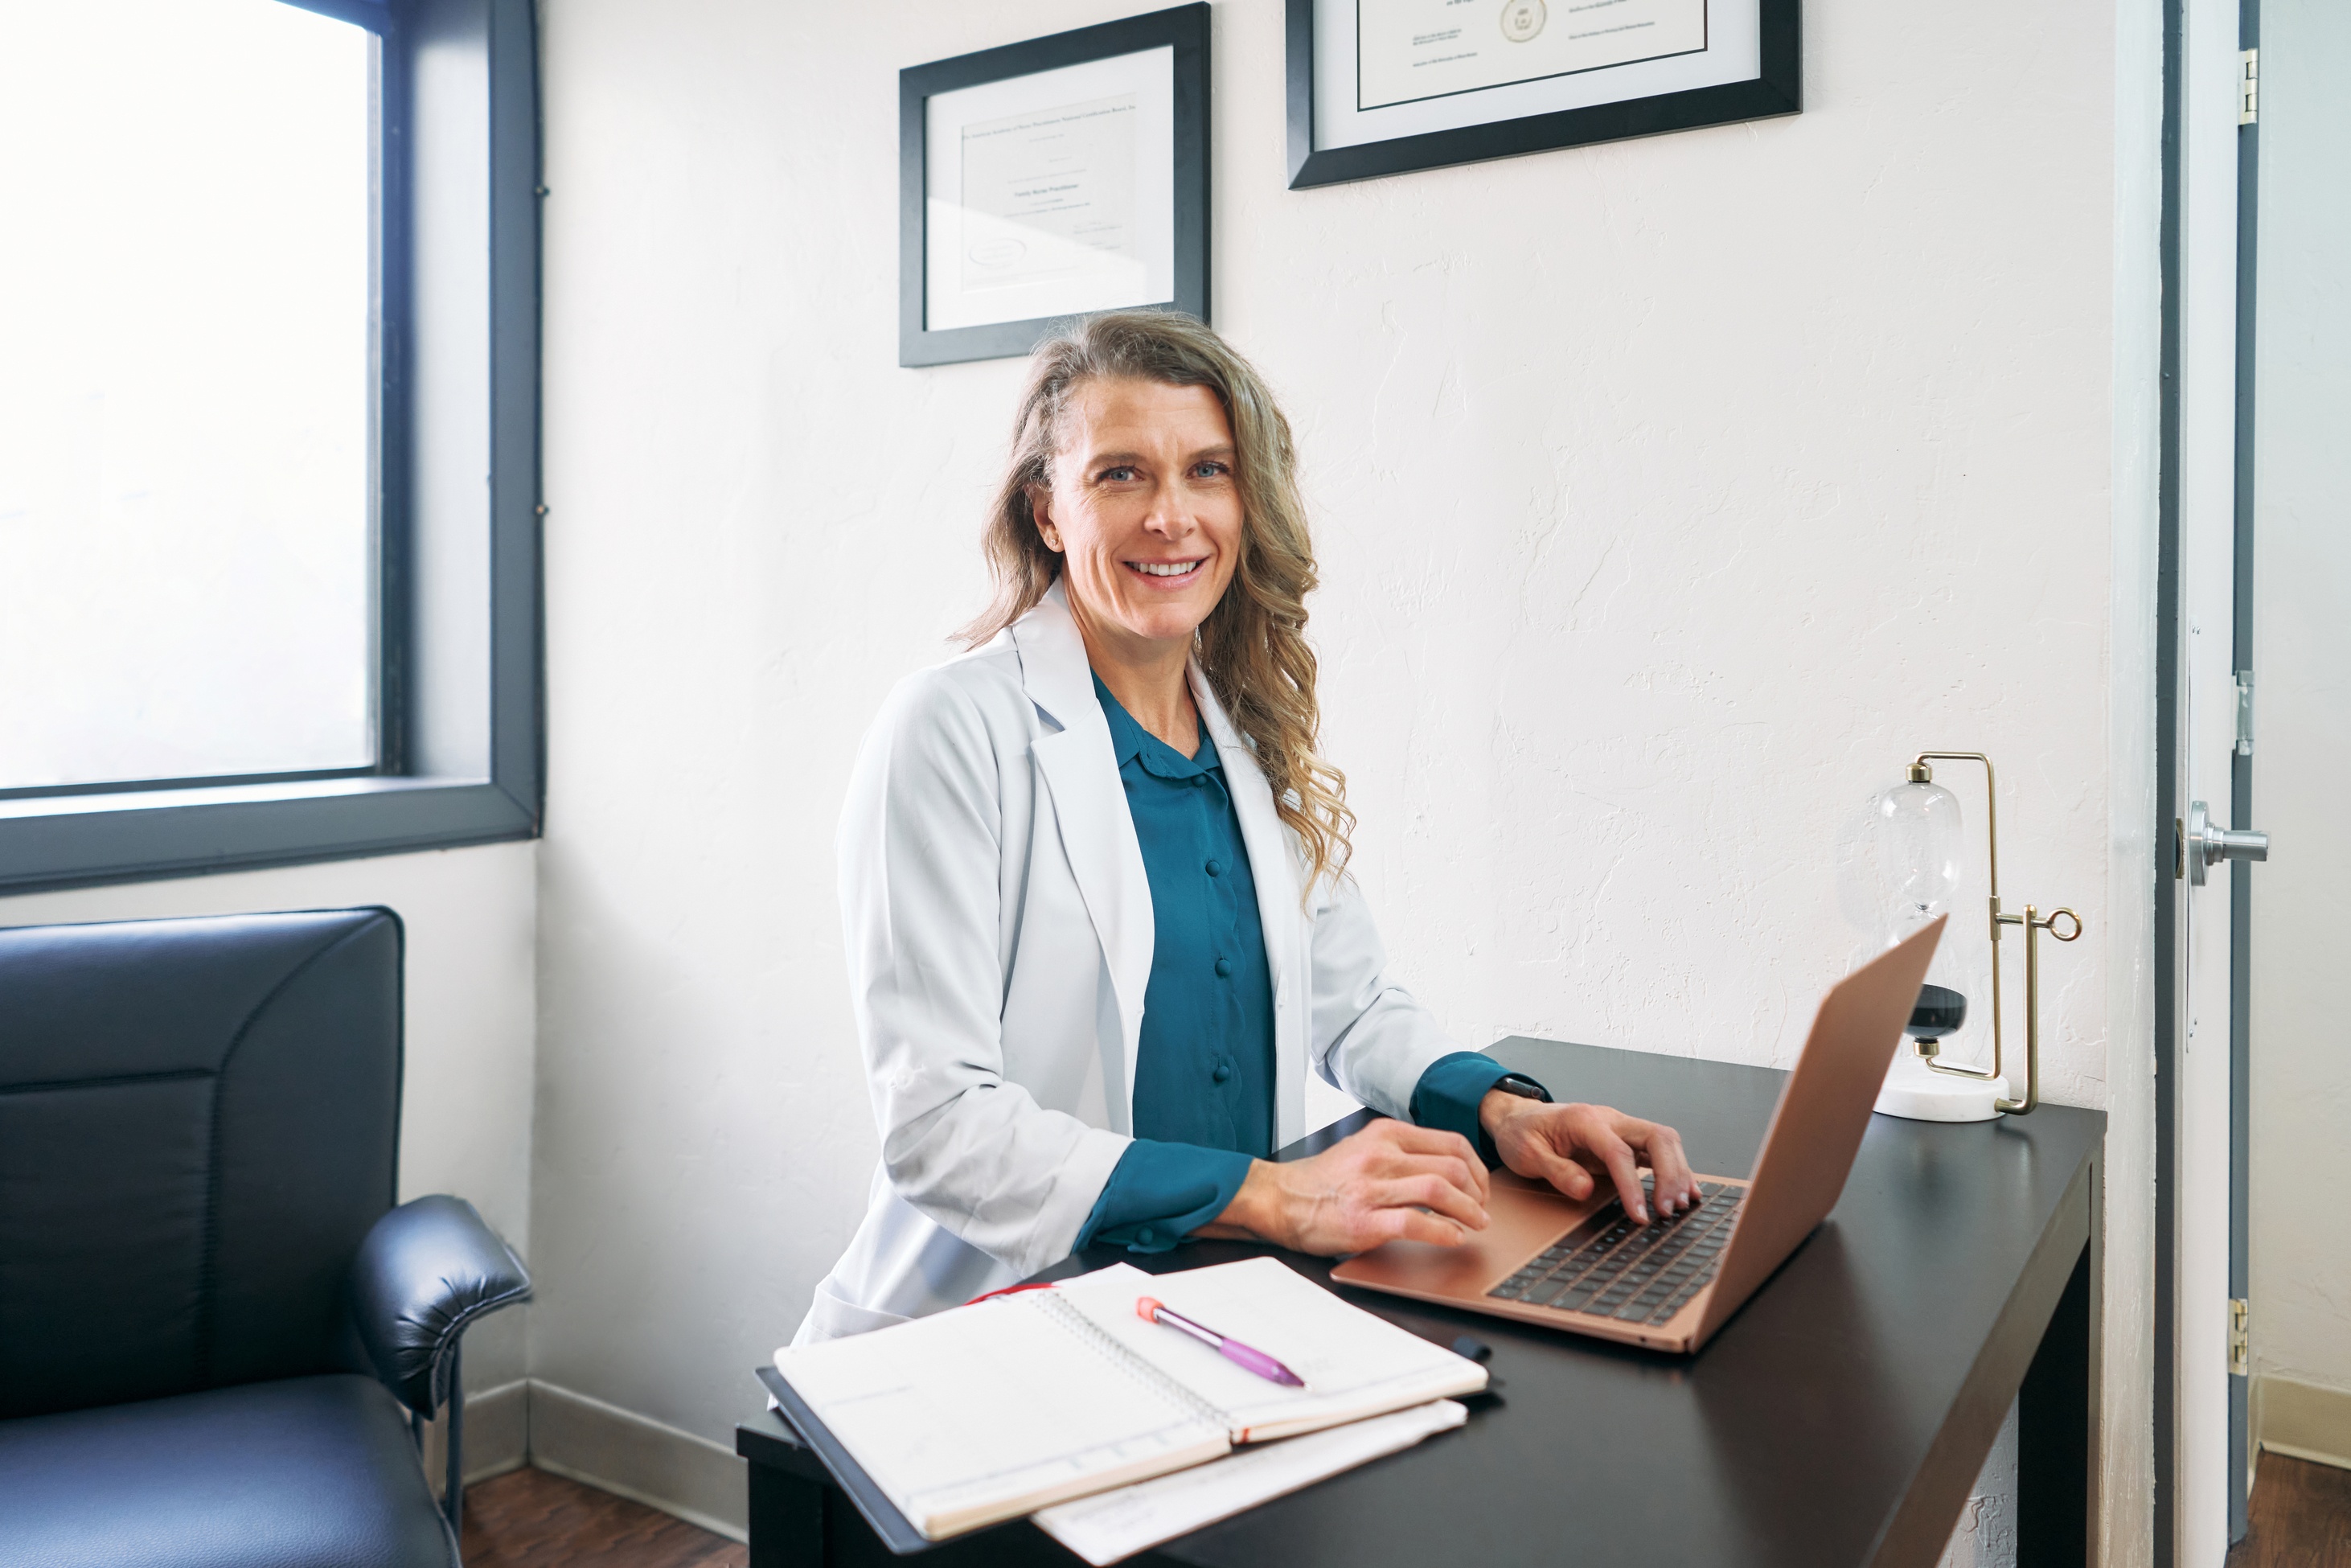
(2200, 1457)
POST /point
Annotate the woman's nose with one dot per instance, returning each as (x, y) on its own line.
(1170, 517)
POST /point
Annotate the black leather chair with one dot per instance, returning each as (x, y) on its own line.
(216, 1331)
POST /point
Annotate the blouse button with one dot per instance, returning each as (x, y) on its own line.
(1224, 967)
(1146, 1236)
(1215, 868)
(1199, 779)
(1221, 1074)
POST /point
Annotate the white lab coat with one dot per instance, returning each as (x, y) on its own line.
(999, 932)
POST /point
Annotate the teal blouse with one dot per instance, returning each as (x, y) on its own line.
(1203, 1072)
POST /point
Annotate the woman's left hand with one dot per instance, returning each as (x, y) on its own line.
(1570, 1146)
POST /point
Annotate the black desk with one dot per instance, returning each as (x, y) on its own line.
(1840, 1418)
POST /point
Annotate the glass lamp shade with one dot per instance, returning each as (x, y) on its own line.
(1920, 848)
(1919, 861)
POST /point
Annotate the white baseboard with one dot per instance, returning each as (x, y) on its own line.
(619, 1451)
(614, 1450)
(497, 1435)
(2303, 1420)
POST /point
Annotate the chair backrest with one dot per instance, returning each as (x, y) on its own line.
(199, 1120)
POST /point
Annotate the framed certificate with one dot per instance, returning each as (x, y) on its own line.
(1381, 86)
(1051, 179)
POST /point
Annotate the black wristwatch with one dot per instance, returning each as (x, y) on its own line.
(1524, 1087)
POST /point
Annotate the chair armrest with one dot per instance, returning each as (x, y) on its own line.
(426, 1271)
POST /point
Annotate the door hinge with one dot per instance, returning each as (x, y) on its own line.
(2239, 1340)
(2249, 86)
(2244, 713)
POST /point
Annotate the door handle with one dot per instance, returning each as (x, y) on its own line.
(2209, 845)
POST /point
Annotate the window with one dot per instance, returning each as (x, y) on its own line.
(256, 604)
(187, 576)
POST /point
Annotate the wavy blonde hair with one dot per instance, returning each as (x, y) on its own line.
(1252, 647)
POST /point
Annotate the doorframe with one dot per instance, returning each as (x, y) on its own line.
(2240, 779)
(2168, 904)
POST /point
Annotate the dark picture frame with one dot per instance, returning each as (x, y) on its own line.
(1183, 29)
(1776, 89)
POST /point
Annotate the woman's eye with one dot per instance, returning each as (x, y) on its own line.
(1209, 470)
(1118, 475)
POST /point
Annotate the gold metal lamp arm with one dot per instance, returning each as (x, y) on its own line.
(2034, 927)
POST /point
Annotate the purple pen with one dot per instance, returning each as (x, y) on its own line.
(1151, 1310)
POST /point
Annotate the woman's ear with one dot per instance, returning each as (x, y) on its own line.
(1040, 512)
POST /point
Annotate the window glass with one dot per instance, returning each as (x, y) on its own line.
(187, 570)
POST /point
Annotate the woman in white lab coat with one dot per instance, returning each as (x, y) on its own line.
(1092, 884)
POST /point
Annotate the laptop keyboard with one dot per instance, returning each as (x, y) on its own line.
(1612, 1268)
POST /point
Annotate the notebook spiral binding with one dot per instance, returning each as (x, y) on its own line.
(1092, 1333)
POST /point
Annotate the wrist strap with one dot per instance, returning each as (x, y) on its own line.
(1525, 1088)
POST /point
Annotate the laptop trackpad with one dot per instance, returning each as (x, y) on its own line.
(1527, 1217)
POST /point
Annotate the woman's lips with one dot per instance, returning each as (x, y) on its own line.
(1166, 573)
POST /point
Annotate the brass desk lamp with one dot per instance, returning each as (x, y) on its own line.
(1920, 853)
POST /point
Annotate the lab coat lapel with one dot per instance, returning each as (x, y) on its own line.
(1080, 768)
(1273, 865)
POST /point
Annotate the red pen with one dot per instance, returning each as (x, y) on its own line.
(1152, 1310)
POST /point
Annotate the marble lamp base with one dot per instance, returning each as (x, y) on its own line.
(1916, 1093)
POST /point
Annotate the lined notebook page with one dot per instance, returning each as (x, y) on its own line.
(992, 1411)
(1113, 1525)
(1354, 1364)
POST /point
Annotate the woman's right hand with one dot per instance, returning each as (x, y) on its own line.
(1391, 1179)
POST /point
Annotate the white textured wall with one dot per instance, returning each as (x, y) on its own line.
(2302, 1068)
(466, 1106)
(1670, 495)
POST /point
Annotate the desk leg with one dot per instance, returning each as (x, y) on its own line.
(2054, 1424)
(787, 1520)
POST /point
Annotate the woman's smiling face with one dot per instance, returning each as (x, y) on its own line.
(1144, 510)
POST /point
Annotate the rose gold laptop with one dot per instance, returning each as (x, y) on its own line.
(1586, 1267)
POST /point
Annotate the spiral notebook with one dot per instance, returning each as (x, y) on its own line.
(997, 1410)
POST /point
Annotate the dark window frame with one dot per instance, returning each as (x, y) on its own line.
(459, 727)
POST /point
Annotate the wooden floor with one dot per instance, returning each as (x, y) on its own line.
(2301, 1517)
(528, 1518)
